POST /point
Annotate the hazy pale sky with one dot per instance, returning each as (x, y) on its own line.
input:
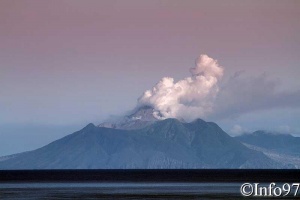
(65, 63)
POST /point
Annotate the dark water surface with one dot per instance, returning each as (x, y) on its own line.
(137, 184)
(120, 191)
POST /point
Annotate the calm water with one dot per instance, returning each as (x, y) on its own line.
(120, 191)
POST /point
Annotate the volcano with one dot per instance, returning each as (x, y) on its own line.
(144, 142)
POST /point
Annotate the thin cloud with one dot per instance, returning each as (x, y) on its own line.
(242, 95)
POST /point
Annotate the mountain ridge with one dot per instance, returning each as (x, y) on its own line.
(283, 148)
(283, 143)
(165, 144)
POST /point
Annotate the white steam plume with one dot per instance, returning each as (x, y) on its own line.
(189, 98)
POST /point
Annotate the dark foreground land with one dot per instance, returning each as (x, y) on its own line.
(207, 175)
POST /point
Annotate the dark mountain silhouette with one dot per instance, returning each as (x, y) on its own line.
(163, 144)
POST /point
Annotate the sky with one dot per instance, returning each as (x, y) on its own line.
(66, 63)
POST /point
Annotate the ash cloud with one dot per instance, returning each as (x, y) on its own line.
(204, 95)
(189, 98)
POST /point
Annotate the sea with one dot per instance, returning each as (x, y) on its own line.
(141, 184)
(114, 190)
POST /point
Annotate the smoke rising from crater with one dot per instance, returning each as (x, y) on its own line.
(189, 98)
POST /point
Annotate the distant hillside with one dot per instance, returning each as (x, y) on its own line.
(281, 148)
(282, 143)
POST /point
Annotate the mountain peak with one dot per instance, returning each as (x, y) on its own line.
(198, 121)
(140, 117)
(89, 126)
